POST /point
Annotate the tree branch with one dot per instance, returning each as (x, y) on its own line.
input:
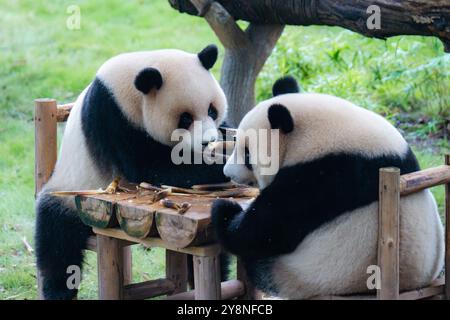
(222, 23)
(407, 17)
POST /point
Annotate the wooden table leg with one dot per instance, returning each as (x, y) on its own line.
(110, 268)
(207, 278)
(127, 265)
(176, 270)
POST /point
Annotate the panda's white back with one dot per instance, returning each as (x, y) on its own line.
(334, 258)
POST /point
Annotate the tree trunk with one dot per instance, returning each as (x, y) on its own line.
(406, 17)
(241, 67)
(245, 55)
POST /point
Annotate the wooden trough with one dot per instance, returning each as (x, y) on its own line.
(140, 216)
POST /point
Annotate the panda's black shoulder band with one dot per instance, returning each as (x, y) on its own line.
(285, 85)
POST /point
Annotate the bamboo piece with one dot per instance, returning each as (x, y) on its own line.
(176, 270)
(110, 268)
(447, 233)
(99, 210)
(420, 180)
(229, 290)
(207, 278)
(388, 233)
(135, 218)
(63, 112)
(45, 140)
(148, 289)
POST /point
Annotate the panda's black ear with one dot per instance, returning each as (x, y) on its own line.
(280, 118)
(208, 56)
(285, 85)
(148, 79)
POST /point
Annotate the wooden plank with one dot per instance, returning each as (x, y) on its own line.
(388, 236)
(420, 180)
(63, 112)
(135, 217)
(207, 278)
(229, 290)
(205, 250)
(110, 268)
(99, 210)
(148, 289)
(92, 244)
(435, 289)
(447, 233)
(45, 140)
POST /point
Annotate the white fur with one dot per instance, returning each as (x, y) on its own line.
(323, 124)
(334, 258)
(187, 86)
(75, 169)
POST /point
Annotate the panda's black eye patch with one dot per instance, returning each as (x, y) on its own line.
(247, 159)
(212, 112)
(186, 120)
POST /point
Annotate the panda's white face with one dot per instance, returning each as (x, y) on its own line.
(162, 91)
(259, 150)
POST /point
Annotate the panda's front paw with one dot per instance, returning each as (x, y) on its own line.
(223, 211)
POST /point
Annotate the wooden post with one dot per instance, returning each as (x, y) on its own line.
(388, 233)
(207, 277)
(45, 140)
(176, 270)
(45, 150)
(447, 234)
(110, 268)
(249, 293)
(127, 265)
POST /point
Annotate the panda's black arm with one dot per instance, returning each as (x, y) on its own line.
(272, 225)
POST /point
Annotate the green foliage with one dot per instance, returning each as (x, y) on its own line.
(402, 74)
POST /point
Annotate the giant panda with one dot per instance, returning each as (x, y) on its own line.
(121, 125)
(312, 231)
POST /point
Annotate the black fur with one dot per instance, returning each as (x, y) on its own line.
(60, 239)
(280, 118)
(299, 200)
(148, 79)
(285, 85)
(119, 147)
(208, 56)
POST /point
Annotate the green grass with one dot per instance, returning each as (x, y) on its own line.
(40, 57)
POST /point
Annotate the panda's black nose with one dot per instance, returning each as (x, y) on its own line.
(205, 143)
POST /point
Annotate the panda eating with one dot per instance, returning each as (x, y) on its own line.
(121, 125)
(313, 229)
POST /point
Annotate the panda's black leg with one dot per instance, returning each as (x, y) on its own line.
(60, 239)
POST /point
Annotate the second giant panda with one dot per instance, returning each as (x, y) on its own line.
(312, 231)
(121, 125)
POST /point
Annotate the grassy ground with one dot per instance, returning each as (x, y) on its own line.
(40, 57)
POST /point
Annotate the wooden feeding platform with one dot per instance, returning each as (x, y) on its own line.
(141, 214)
